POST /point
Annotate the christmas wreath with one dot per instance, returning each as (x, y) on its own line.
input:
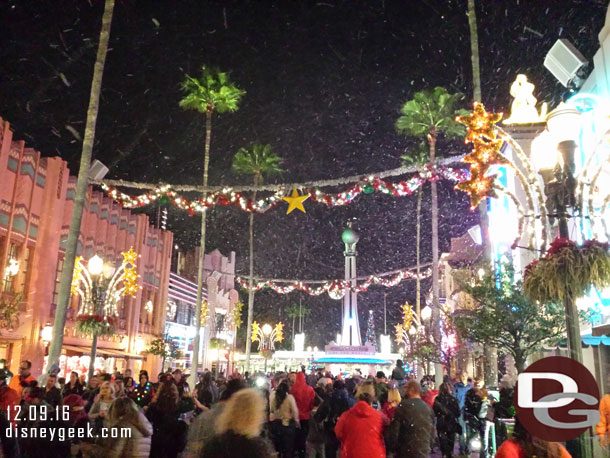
(96, 325)
(568, 270)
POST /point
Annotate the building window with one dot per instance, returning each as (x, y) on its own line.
(8, 277)
(60, 267)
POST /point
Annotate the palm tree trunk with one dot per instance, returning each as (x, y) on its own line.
(193, 378)
(418, 256)
(474, 50)
(435, 325)
(81, 189)
(294, 317)
(251, 283)
(491, 351)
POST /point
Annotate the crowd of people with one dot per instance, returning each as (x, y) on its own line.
(284, 415)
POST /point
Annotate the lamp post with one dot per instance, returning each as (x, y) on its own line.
(266, 338)
(556, 167)
(100, 286)
(100, 273)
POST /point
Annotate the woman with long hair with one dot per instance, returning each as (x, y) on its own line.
(284, 419)
(73, 386)
(393, 401)
(447, 412)
(239, 427)
(206, 392)
(101, 405)
(522, 444)
(163, 413)
(124, 413)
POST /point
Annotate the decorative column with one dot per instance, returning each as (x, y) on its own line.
(350, 334)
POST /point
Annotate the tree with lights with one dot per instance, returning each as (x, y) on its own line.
(82, 185)
(164, 347)
(370, 331)
(259, 161)
(504, 316)
(212, 92)
(429, 114)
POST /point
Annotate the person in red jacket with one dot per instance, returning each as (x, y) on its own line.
(360, 430)
(429, 394)
(304, 396)
(523, 445)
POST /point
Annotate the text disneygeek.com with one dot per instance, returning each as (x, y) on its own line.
(67, 433)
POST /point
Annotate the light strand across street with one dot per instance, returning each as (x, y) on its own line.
(231, 197)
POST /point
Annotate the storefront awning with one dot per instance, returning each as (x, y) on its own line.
(102, 351)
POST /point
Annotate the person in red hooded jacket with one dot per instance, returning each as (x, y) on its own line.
(429, 394)
(304, 396)
(360, 429)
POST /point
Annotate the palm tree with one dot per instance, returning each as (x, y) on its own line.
(491, 351)
(212, 92)
(294, 312)
(429, 114)
(259, 161)
(82, 184)
(418, 157)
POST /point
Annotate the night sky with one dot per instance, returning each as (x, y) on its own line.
(324, 84)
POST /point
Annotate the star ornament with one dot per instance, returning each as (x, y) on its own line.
(480, 123)
(295, 201)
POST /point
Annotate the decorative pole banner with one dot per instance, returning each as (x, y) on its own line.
(336, 289)
(366, 185)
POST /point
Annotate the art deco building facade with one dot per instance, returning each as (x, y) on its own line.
(36, 200)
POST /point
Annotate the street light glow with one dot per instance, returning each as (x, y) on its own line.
(95, 265)
(267, 329)
(426, 313)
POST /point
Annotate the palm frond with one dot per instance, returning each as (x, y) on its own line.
(258, 160)
(431, 109)
(213, 90)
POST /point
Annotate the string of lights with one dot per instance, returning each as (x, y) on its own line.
(336, 289)
(228, 196)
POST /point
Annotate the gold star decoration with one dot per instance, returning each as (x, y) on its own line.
(479, 188)
(76, 276)
(295, 201)
(130, 275)
(255, 328)
(129, 257)
(204, 313)
(485, 154)
(279, 332)
(480, 123)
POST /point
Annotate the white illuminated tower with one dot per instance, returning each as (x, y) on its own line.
(350, 334)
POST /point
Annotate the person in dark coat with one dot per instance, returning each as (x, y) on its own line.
(206, 392)
(412, 429)
(90, 393)
(239, 427)
(329, 413)
(73, 386)
(169, 433)
(52, 395)
(399, 373)
(447, 412)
